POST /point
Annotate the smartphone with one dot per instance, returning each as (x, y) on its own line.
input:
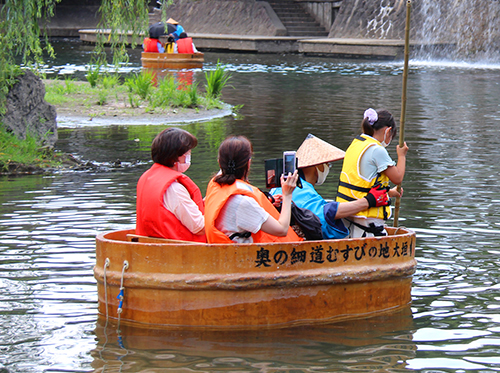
(289, 163)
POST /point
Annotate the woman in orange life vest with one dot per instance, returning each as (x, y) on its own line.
(366, 164)
(169, 204)
(239, 212)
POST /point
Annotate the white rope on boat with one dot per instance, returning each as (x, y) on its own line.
(106, 265)
(121, 295)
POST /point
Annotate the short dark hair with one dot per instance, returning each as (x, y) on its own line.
(170, 144)
(385, 119)
(183, 35)
(234, 154)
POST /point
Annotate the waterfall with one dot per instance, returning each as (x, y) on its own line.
(457, 29)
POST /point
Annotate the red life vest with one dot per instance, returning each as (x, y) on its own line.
(185, 45)
(153, 219)
(216, 198)
(151, 45)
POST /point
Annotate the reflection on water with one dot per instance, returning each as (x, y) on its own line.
(382, 343)
(48, 298)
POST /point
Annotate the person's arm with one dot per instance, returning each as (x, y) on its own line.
(397, 173)
(345, 209)
(337, 210)
(280, 227)
(178, 201)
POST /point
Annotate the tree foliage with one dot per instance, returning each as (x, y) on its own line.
(20, 37)
(123, 23)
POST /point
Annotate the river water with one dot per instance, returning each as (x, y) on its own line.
(48, 224)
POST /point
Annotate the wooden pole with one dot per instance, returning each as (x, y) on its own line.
(403, 101)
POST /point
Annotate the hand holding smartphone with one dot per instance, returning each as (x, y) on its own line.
(289, 163)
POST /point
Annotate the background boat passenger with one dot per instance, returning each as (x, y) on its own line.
(169, 204)
(185, 45)
(236, 211)
(367, 164)
(152, 43)
(314, 160)
(174, 29)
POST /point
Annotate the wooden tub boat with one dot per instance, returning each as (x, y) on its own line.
(171, 60)
(179, 284)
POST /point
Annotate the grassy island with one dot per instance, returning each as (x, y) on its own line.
(109, 96)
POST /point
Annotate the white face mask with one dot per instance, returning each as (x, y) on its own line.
(386, 144)
(322, 174)
(183, 167)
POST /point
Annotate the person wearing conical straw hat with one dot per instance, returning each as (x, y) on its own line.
(174, 29)
(314, 161)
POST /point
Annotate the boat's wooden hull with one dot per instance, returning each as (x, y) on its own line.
(190, 285)
(171, 60)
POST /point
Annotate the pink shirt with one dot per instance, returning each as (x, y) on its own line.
(178, 201)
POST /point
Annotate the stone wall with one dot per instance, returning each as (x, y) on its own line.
(324, 12)
(243, 17)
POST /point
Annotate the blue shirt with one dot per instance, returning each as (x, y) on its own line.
(307, 198)
(178, 32)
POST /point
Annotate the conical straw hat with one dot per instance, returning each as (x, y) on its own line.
(172, 21)
(315, 151)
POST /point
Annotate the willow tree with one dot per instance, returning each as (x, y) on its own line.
(123, 23)
(21, 40)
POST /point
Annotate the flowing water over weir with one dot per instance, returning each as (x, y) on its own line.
(468, 29)
(444, 29)
(48, 223)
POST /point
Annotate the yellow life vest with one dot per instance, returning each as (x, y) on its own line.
(169, 47)
(353, 186)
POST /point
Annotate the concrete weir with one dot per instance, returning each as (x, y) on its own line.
(334, 47)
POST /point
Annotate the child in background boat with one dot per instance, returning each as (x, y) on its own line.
(314, 160)
(367, 164)
(239, 212)
(169, 204)
(185, 45)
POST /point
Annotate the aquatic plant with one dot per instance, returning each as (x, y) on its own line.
(216, 80)
(142, 84)
(110, 81)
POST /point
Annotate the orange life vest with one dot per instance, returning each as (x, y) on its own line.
(216, 198)
(151, 45)
(185, 45)
(153, 219)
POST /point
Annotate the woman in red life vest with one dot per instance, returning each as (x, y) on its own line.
(169, 204)
(185, 45)
(239, 212)
(153, 45)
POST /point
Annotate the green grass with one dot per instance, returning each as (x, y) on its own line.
(26, 152)
(140, 90)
